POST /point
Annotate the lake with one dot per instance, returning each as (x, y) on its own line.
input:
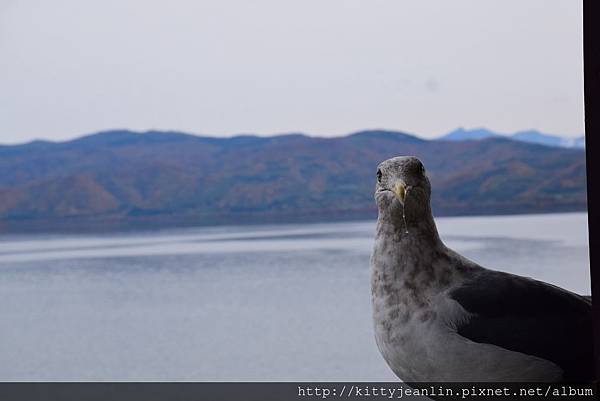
(279, 302)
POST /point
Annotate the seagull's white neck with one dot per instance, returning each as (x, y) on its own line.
(405, 247)
(407, 226)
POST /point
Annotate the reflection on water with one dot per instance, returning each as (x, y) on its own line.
(286, 302)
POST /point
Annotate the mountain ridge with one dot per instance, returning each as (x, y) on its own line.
(531, 136)
(121, 178)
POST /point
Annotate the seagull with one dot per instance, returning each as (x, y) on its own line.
(441, 317)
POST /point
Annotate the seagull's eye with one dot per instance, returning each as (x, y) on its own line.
(379, 174)
(422, 169)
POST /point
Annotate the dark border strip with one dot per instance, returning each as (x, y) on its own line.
(591, 47)
(298, 391)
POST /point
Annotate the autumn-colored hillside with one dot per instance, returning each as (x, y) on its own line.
(123, 179)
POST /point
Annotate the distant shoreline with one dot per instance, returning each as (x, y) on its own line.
(78, 226)
(120, 180)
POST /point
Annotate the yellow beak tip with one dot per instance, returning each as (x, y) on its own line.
(400, 191)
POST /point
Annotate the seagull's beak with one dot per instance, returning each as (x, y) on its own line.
(400, 191)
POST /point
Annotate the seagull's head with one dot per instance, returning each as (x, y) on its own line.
(403, 181)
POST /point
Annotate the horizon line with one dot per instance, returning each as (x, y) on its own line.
(280, 134)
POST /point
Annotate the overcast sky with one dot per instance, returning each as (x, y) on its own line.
(323, 67)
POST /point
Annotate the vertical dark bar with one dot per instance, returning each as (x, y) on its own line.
(591, 57)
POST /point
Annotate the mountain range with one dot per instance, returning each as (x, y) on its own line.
(122, 179)
(531, 136)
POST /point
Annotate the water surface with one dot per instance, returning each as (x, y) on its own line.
(284, 302)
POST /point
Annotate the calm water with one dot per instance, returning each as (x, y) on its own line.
(287, 302)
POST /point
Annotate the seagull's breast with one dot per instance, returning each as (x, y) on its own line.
(419, 349)
(415, 323)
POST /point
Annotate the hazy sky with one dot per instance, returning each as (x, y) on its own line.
(323, 67)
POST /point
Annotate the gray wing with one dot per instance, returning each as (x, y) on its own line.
(529, 316)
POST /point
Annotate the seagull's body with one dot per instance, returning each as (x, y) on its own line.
(441, 317)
